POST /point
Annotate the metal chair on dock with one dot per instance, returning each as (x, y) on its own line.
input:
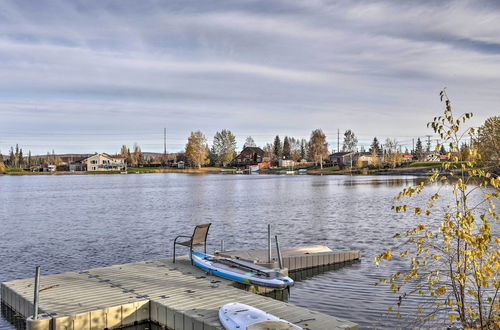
(198, 238)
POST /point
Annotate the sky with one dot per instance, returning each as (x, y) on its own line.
(89, 76)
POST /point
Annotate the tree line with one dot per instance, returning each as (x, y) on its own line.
(198, 153)
(223, 150)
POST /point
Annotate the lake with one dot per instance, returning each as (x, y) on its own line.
(72, 222)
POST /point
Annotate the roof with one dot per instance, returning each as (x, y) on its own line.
(104, 154)
(341, 154)
(257, 150)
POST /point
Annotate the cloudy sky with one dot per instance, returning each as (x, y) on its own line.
(86, 76)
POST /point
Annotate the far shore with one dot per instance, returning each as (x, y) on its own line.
(417, 171)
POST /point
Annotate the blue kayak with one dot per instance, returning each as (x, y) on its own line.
(241, 271)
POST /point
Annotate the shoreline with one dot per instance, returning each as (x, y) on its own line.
(215, 170)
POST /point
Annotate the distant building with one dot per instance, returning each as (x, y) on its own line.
(50, 168)
(408, 158)
(343, 159)
(78, 167)
(105, 162)
(248, 156)
(364, 159)
(286, 163)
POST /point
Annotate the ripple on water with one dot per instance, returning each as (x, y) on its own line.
(68, 223)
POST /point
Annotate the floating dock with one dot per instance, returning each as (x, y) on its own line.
(175, 296)
(298, 258)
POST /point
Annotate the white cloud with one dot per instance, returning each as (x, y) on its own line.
(284, 67)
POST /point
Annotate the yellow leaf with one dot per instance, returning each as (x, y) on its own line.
(452, 317)
(441, 290)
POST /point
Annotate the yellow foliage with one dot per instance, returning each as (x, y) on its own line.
(459, 256)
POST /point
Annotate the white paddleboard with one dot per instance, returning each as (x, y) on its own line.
(236, 316)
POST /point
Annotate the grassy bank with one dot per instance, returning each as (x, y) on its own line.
(132, 170)
(203, 170)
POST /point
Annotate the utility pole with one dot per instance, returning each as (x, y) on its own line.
(164, 145)
(428, 143)
(164, 141)
(338, 140)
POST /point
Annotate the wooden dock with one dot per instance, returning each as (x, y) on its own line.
(175, 296)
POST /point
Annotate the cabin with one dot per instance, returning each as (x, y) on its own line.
(342, 158)
(105, 162)
(248, 156)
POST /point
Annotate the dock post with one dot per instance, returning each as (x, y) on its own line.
(36, 293)
(280, 261)
(221, 245)
(269, 256)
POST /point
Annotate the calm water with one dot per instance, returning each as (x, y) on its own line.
(66, 223)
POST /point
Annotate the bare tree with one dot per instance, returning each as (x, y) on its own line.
(350, 141)
(393, 153)
(249, 142)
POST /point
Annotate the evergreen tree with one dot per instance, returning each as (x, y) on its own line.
(129, 157)
(277, 149)
(286, 148)
(16, 156)
(30, 160)
(212, 156)
(20, 158)
(303, 149)
(442, 151)
(419, 150)
(375, 147)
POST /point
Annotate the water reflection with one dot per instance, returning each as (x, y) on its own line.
(73, 222)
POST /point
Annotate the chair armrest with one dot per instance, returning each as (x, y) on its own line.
(181, 236)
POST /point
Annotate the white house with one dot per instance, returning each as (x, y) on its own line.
(105, 162)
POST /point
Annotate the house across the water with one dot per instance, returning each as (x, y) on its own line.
(248, 156)
(105, 162)
(342, 158)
